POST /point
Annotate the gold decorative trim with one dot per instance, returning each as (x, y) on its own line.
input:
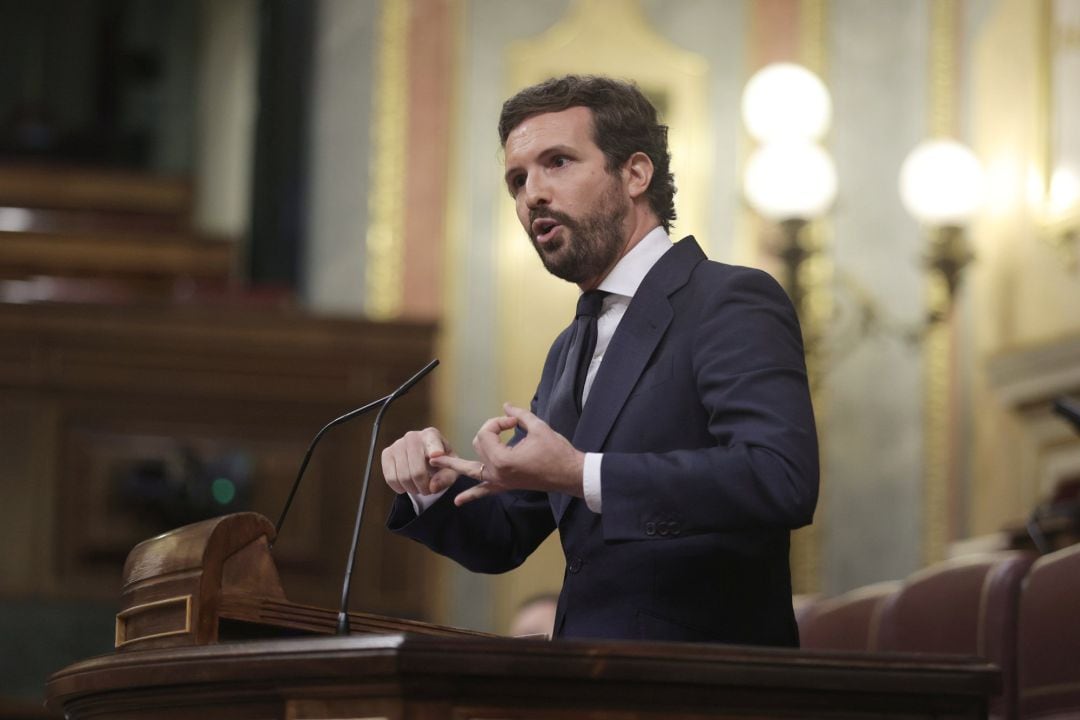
(815, 278)
(386, 195)
(812, 29)
(1063, 231)
(943, 68)
(1044, 92)
(121, 620)
(936, 353)
(937, 342)
(448, 344)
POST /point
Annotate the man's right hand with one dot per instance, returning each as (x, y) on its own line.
(406, 467)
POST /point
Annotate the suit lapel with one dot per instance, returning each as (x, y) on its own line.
(633, 344)
(639, 332)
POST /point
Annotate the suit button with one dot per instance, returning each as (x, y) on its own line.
(650, 528)
(662, 529)
(575, 565)
(674, 528)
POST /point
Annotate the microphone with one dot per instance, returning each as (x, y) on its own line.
(405, 387)
(1068, 409)
(343, 612)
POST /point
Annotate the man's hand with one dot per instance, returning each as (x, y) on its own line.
(406, 464)
(543, 460)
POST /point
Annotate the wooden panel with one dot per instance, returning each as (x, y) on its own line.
(100, 394)
(46, 186)
(114, 255)
(123, 235)
(161, 618)
(49, 220)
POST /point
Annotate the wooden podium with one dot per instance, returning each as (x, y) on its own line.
(215, 581)
(200, 635)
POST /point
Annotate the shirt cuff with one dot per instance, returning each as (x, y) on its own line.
(420, 503)
(591, 481)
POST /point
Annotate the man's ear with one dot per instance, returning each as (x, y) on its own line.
(638, 172)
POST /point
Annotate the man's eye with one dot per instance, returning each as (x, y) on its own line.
(560, 160)
(517, 182)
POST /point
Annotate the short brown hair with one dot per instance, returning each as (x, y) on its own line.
(624, 122)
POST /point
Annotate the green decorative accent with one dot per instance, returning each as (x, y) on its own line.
(224, 490)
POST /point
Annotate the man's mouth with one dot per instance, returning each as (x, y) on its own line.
(544, 229)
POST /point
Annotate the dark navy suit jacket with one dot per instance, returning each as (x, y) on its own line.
(702, 410)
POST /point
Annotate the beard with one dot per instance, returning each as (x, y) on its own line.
(587, 247)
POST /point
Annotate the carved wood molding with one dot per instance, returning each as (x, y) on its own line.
(115, 255)
(401, 676)
(39, 186)
(1026, 381)
(1036, 374)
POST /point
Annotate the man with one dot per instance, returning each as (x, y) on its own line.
(675, 459)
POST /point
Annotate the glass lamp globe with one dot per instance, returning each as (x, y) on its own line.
(1064, 191)
(941, 183)
(785, 100)
(789, 180)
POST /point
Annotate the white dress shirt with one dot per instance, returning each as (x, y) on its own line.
(621, 284)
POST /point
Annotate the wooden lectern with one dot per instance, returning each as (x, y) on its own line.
(215, 581)
(204, 632)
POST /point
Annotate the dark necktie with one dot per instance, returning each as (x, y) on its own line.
(565, 406)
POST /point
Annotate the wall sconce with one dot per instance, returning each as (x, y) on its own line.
(783, 101)
(791, 182)
(1062, 219)
(789, 178)
(941, 183)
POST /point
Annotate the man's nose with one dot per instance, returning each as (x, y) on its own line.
(537, 191)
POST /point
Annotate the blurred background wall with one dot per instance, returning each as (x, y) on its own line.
(334, 170)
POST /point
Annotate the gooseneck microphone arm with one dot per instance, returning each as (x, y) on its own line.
(311, 448)
(343, 612)
(334, 423)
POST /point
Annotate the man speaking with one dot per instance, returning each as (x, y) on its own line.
(671, 440)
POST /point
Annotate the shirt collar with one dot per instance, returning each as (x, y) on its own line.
(627, 275)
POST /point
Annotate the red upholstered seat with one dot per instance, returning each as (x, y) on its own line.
(1049, 657)
(966, 606)
(845, 622)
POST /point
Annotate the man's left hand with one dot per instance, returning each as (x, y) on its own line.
(543, 460)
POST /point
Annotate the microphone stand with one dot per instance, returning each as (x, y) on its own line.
(382, 403)
(343, 612)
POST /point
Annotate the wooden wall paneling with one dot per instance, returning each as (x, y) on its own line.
(97, 392)
(74, 188)
(109, 254)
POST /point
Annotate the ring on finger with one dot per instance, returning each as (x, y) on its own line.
(480, 475)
